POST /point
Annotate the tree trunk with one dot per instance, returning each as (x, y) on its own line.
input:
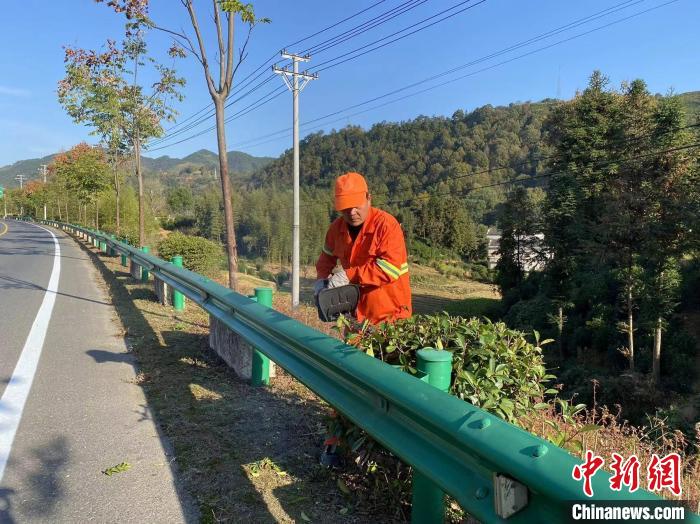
(97, 215)
(231, 249)
(560, 330)
(656, 359)
(67, 211)
(139, 176)
(630, 327)
(116, 191)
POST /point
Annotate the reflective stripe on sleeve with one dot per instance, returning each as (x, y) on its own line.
(327, 251)
(391, 270)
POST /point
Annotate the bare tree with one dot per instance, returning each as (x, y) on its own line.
(219, 76)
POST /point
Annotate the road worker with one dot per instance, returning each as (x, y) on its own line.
(370, 246)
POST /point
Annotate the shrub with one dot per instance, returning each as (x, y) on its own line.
(179, 223)
(198, 254)
(530, 314)
(481, 273)
(494, 367)
(266, 275)
(282, 277)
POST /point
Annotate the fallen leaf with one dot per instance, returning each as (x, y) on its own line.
(343, 486)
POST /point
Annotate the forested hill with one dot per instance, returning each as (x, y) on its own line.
(199, 162)
(433, 154)
(428, 153)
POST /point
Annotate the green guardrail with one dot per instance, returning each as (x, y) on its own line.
(493, 469)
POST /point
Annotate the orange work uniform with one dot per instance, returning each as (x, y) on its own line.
(376, 261)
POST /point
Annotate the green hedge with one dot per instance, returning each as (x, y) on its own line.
(198, 254)
(494, 367)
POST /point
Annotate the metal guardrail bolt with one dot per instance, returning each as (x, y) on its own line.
(260, 373)
(144, 271)
(428, 501)
(482, 423)
(178, 298)
(481, 493)
(540, 451)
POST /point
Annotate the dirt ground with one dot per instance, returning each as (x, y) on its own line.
(245, 453)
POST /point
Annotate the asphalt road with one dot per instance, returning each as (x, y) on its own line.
(69, 408)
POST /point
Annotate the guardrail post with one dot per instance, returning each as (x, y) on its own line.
(260, 372)
(178, 298)
(111, 251)
(428, 501)
(144, 271)
(125, 261)
(103, 246)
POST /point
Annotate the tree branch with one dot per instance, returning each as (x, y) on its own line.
(220, 39)
(242, 54)
(178, 37)
(205, 63)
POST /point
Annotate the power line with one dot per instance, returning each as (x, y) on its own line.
(266, 62)
(255, 105)
(518, 45)
(545, 175)
(208, 116)
(576, 23)
(464, 191)
(203, 119)
(364, 27)
(335, 24)
(319, 67)
(550, 157)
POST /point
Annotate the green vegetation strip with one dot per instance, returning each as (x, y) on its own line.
(457, 446)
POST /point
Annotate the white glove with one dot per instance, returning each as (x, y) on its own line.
(338, 279)
(319, 286)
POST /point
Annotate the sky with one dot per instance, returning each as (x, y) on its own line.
(494, 41)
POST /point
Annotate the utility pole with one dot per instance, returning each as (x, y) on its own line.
(21, 185)
(295, 87)
(42, 170)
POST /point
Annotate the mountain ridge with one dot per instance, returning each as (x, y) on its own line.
(239, 163)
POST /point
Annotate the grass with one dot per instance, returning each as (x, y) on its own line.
(251, 454)
(244, 453)
(431, 292)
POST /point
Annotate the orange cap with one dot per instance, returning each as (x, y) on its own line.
(350, 191)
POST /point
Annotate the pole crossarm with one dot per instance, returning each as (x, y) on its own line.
(469, 453)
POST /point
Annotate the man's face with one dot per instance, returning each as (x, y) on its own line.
(356, 216)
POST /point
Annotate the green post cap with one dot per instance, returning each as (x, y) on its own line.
(437, 364)
(264, 296)
(435, 355)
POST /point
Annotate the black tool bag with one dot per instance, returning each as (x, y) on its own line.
(333, 302)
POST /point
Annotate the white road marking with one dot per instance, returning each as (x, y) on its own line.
(17, 390)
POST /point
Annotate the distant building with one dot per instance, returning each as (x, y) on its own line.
(493, 236)
(531, 257)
